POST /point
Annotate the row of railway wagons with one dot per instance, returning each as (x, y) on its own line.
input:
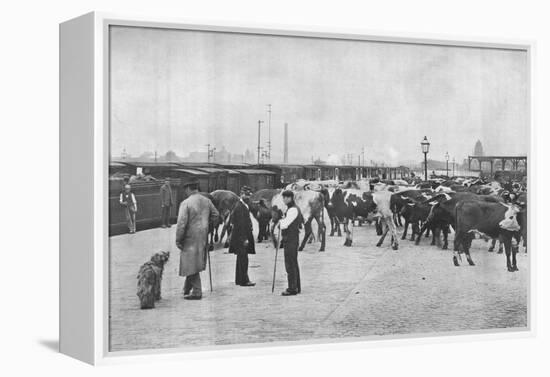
(146, 178)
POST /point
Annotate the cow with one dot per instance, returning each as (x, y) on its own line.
(521, 200)
(311, 205)
(416, 213)
(442, 212)
(260, 207)
(382, 201)
(496, 220)
(262, 214)
(340, 213)
(402, 198)
(345, 206)
(225, 202)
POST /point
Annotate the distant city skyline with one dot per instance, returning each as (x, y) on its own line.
(180, 90)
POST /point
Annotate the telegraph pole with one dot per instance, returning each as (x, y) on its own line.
(269, 133)
(363, 155)
(210, 152)
(259, 132)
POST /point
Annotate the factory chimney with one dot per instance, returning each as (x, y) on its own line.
(285, 152)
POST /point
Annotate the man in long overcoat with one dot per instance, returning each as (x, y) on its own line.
(195, 214)
(166, 202)
(242, 239)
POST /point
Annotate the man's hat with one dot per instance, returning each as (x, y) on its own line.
(193, 182)
(288, 194)
(246, 190)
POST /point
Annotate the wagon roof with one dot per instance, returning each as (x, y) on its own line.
(115, 164)
(190, 171)
(212, 170)
(148, 164)
(255, 171)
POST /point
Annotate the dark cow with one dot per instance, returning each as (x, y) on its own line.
(311, 205)
(260, 207)
(262, 214)
(400, 200)
(442, 212)
(225, 202)
(416, 214)
(496, 220)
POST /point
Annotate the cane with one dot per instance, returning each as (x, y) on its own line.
(209, 266)
(275, 264)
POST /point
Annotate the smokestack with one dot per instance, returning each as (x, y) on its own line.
(285, 153)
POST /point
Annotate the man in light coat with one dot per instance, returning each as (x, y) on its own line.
(166, 203)
(195, 214)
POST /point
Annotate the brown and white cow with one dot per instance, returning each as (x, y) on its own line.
(347, 205)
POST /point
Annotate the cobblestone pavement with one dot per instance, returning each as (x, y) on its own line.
(346, 292)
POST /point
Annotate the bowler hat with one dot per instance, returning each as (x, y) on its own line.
(191, 183)
(246, 190)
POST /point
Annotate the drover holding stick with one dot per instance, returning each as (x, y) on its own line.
(195, 213)
(290, 230)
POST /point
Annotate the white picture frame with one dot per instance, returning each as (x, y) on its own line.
(84, 145)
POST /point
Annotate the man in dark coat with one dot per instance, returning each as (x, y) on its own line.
(242, 239)
(290, 231)
(166, 202)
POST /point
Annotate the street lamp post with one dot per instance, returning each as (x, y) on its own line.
(425, 144)
(447, 159)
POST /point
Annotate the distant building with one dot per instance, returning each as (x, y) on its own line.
(478, 149)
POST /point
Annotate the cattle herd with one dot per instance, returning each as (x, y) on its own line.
(469, 207)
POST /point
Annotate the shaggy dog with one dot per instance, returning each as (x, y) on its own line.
(149, 279)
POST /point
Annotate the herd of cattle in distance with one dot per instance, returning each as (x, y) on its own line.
(469, 207)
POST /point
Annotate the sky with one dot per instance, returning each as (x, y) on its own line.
(180, 90)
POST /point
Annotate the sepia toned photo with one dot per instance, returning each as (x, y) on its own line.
(272, 189)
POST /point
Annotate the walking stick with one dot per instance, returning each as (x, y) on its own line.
(206, 249)
(275, 264)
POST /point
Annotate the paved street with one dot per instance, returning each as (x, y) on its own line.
(346, 292)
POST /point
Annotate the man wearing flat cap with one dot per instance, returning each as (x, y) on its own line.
(242, 239)
(194, 215)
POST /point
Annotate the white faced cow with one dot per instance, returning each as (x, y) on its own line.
(496, 220)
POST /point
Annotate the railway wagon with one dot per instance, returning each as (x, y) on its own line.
(257, 179)
(284, 173)
(217, 178)
(233, 181)
(147, 195)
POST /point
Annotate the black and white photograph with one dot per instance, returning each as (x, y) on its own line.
(270, 189)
